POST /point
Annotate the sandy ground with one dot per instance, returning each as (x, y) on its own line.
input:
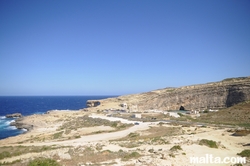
(229, 145)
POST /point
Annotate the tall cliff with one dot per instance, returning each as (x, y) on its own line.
(195, 97)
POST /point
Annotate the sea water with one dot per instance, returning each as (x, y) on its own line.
(28, 105)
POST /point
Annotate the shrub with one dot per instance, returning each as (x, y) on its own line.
(159, 140)
(114, 124)
(171, 155)
(237, 164)
(151, 150)
(57, 135)
(244, 153)
(131, 155)
(133, 135)
(176, 147)
(180, 114)
(206, 111)
(43, 162)
(4, 154)
(209, 143)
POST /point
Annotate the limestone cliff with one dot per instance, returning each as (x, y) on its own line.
(195, 97)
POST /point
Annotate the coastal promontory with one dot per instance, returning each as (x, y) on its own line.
(214, 95)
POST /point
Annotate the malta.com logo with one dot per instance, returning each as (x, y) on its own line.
(210, 159)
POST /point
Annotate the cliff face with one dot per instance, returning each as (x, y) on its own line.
(196, 97)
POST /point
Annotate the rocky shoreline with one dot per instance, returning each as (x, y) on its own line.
(15, 115)
(18, 123)
(96, 136)
(21, 125)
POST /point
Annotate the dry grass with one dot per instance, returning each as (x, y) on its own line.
(79, 155)
(154, 133)
(87, 154)
(236, 115)
(12, 151)
(9, 151)
(154, 136)
(86, 121)
(71, 129)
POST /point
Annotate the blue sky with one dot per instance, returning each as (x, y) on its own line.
(117, 47)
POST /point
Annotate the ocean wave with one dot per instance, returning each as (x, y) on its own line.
(24, 130)
(2, 117)
(11, 128)
(7, 123)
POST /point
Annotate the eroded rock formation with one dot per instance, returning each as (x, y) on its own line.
(15, 115)
(93, 103)
(195, 97)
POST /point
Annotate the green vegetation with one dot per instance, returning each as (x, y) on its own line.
(206, 111)
(238, 164)
(131, 155)
(57, 135)
(159, 140)
(151, 150)
(238, 115)
(209, 143)
(4, 154)
(133, 135)
(9, 151)
(244, 153)
(95, 155)
(175, 148)
(86, 121)
(155, 134)
(232, 79)
(43, 162)
(129, 144)
(171, 155)
(180, 114)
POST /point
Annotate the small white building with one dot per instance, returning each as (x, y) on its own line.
(124, 105)
(137, 116)
(210, 110)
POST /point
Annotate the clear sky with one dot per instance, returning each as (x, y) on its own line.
(117, 47)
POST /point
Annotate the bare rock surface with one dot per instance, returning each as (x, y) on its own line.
(213, 95)
(15, 115)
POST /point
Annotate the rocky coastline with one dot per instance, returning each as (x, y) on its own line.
(21, 125)
(215, 95)
(95, 136)
(15, 115)
(18, 123)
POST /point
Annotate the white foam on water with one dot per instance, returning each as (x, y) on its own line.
(9, 122)
(11, 128)
(2, 117)
(24, 130)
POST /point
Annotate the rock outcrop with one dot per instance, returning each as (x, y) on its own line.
(15, 115)
(213, 95)
(21, 125)
(93, 103)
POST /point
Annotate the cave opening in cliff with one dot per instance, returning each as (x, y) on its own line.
(182, 108)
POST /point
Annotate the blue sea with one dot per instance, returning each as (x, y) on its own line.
(28, 105)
